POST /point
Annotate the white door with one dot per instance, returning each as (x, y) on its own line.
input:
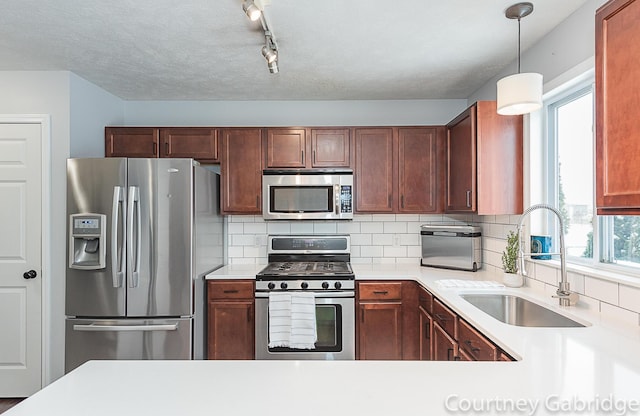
(20, 259)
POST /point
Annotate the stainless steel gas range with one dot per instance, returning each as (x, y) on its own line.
(317, 264)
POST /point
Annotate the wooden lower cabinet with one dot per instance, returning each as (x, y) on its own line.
(445, 348)
(380, 331)
(231, 320)
(425, 334)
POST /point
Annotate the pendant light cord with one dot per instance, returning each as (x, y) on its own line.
(518, 45)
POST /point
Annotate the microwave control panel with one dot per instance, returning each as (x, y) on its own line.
(345, 198)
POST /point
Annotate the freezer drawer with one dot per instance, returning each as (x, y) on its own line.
(130, 339)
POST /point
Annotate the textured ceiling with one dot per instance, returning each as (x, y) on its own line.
(328, 49)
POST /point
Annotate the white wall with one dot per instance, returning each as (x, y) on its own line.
(92, 108)
(292, 113)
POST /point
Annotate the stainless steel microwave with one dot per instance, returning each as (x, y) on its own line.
(307, 194)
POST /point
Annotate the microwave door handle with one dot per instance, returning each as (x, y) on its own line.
(336, 191)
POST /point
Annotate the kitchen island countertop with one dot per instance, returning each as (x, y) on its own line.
(590, 370)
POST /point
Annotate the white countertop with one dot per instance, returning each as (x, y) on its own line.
(561, 370)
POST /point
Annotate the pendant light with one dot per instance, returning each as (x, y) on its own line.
(519, 93)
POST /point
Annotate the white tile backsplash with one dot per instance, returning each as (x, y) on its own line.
(379, 238)
(630, 298)
(601, 289)
(390, 238)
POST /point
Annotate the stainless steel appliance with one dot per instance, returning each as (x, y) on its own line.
(320, 265)
(142, 233)
(451, 246)
(307, 194)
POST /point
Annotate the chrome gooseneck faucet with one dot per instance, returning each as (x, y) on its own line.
(564, 295)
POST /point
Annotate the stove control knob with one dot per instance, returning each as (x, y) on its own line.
(325, 285)
(337, 285)
(271, 286)
(304, 285)
(283, 285)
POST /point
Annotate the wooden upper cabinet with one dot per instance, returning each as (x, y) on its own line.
(131, 141)
(330, 148)
(195, 142)
(241, 170)
(419, 177)
(374, 170)
(617, 108)
(286, 148)
(291, 148)
(461, 162)
(200, 143)
(484, 162)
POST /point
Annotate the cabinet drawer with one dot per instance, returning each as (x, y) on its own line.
(446, 318)
(231, 289)
(425, 300)
(380, 291)
(475, 344)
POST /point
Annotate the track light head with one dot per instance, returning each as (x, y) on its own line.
(269, 54)
(273, 67)
(251, 10)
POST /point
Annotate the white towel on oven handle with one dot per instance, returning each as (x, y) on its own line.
(279, 319)
(303, 321)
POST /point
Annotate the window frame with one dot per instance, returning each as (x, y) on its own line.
(603, 254)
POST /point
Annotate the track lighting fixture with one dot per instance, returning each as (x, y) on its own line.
(270, 48)
(270, 52)
(519, 93)
(251, 10)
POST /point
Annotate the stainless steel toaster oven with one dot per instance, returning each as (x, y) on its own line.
(451, 246)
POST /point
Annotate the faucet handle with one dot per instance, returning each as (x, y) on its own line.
(566, 297)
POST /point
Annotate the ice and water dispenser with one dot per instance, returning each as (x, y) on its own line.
(87, 241)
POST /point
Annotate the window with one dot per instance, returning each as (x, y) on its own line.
(570, 185)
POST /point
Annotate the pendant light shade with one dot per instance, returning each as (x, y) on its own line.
(519, 93)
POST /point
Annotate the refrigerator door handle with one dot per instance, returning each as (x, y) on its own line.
(117, 261)
(125, 328)
(134, 250)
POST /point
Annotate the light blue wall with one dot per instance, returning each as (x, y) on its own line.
(292, 113)
(91, 108)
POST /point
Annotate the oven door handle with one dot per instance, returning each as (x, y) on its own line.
(319, 295)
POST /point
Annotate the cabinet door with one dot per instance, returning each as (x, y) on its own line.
(617, 103)
(380, 331)
(374, 174)
(131, 142)
(286, 148)
(426, 334)
(241, 170)
(419, 181)
(445, 348)
(231, 330)
(195, 142)
(499, 161)
(330, 148)
(461, 163)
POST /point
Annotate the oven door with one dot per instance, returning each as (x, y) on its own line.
(335, 320)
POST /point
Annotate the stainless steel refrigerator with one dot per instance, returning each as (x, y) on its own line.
(142, 233)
